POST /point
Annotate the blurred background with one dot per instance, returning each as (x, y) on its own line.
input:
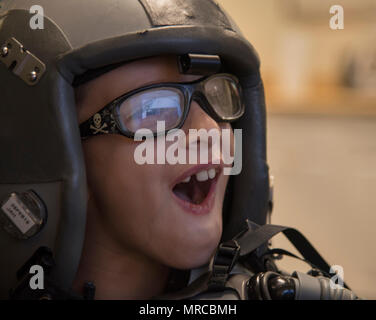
(320, 89)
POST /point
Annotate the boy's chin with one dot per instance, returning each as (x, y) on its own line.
(191, 258)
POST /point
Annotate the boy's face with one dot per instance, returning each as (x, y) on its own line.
(135, 208)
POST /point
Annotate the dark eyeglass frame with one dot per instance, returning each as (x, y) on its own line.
(192, 91)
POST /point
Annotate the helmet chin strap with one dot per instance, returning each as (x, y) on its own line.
(227, 278)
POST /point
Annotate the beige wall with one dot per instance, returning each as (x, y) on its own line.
(324, 166)
(302, 58)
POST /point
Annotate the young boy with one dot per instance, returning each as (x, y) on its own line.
(80, 79)
(137, 226)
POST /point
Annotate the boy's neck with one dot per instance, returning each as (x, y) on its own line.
(119, 275)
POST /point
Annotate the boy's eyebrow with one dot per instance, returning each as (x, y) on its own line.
(151, 82)
(94, 73)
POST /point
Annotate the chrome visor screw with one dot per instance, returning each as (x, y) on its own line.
(33, 76)
(4, 51)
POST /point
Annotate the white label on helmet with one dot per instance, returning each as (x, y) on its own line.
(18, 214)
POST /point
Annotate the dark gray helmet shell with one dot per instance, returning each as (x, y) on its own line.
(39, 136)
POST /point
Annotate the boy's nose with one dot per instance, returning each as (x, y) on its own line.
(198, 119)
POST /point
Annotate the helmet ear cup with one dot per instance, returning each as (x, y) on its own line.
(43, 152)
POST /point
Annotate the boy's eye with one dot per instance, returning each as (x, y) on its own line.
(144, 109)
(161, 106)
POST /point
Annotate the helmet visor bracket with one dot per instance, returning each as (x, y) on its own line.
(199, 64)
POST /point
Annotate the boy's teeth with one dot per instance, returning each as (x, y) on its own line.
(202, 176)
(187, 179)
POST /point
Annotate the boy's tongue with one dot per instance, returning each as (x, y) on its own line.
(193, 191)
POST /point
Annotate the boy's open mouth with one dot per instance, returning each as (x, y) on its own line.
(196, 188)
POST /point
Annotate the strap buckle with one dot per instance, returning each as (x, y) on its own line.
(224, 260)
